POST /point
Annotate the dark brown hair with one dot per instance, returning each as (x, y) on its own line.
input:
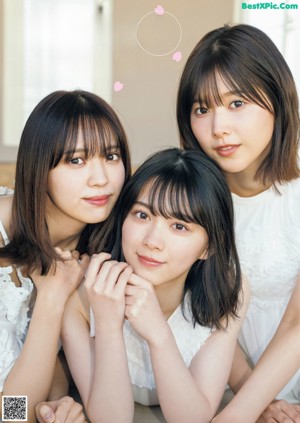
(251, 65)
(188, 185)
(50, 131)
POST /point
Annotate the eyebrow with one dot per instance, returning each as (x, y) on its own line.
(184, 218)
(141, 203)
(226, 94)
(114, 147)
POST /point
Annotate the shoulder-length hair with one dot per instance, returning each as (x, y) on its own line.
(50, 135)
(251, 65)
(189, 186)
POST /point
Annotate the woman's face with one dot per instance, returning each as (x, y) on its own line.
(236, 134)
(84, 190)
(162, 250)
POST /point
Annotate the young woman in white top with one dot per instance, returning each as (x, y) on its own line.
(237, 103)
(72, 163)
(166, 304)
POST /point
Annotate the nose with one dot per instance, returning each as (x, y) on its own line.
(97, 172)
(221, 124)
(154, 237)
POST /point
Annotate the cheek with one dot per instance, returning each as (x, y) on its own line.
(126, 236)
(117, 178)
(200, 131)
(268, 125)
(61, 179)
(54, 186)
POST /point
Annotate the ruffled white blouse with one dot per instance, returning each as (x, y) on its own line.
(189, 340)
(14, 308)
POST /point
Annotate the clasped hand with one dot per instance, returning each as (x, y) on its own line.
(63, 278)
(116, 293)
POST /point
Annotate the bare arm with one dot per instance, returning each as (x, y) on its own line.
(268, 377)
(40, 347)
(60, 407)
(104, 383)
(60, 383)
(186, 394)
(111, 383)
(240, 371)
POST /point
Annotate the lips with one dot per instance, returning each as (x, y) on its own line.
(227, 149)
(149, 261)
(100, 200)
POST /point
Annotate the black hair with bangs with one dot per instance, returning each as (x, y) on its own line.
(251, 66)
(189, 186)
(49, 136)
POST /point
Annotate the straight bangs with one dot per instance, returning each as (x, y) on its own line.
(237, 79)
(174, 196)
(97, 136)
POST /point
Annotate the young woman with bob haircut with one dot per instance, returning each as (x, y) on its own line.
(73, 160)
(237, 102)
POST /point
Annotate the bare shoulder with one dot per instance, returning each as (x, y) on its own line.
(5, 210)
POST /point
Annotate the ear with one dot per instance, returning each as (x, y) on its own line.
(204, 255)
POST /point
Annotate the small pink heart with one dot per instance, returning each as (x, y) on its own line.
(159, 10)
(177, 56)
(118, 86)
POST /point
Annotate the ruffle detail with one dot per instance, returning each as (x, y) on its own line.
(6, 191)
(14, 300)
(10, 347)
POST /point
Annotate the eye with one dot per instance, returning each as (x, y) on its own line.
(76, 161)
(141, 215)
(112, 157)
(200, 110)
(180, 227)
(236, 104)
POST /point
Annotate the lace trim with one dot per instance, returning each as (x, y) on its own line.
(14, 300)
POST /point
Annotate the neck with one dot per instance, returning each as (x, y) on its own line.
(64, 233)
(169, 296)
(65, 238)
(243, 186)
(245, 183)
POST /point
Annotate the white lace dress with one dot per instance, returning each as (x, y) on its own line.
(14, 307)
(268, 242)
(189, 340)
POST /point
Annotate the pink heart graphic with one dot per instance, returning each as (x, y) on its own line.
(177, 56)
(159, 10)
(118, 86)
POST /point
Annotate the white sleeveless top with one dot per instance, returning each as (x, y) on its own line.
(268, 241)
(189, 340)
(14, 307)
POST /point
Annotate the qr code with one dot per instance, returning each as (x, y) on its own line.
(14, 408)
